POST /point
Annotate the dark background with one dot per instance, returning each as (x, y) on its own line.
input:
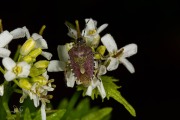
(153, 25)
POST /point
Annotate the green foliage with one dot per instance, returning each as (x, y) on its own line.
(27, 114)
(111, 91)
(81, 110)
(56, 115)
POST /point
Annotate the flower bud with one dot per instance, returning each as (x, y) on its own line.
(41, 64)
(24, 83)
(35, 52)
(39, 79)
(100, 52)
(27, 59)
(27, 46)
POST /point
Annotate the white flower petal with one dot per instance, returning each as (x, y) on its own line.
(114, 63)
(101, 28)
(102, 70)
(25, 69)
(4, 52)
(26, 32)
(18, 33)
(63, 53)
(102, 90)
(56, 66)
(5, 38)
(127, 64)
(129, 50)
(9, 75)
(43, 112)
(45, 75)
(70, 78)
(41, 43)
(47, 55)
(8, 63)
(89, 90)
(1, 90)
(35, 100)
(109, 42)
(90, 25)
(72, 33)
(36, 36)
(87, 19)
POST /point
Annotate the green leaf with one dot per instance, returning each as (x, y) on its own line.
(111, 91)
(2, 111)
(98, 115)
(28, 103)
(37, 115)
(63, 104)
(81, 109)
(27, 115)
(71, 104)
(57, 115)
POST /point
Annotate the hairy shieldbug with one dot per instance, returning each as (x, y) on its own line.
(82, 61)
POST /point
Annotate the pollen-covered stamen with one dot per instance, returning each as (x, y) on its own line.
(17, 70)
(118, 54)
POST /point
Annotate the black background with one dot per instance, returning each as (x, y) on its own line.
(153, 25)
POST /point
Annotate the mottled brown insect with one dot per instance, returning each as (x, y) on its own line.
(82, 61)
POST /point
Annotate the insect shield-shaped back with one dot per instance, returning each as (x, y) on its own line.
(82, 61)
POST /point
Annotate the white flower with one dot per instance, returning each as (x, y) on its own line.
(15, 70)
(1, 90)
(18, 33)
(5, 38)
(38, 93)
(116, 57)
(60, 65)
(91, 32)
(40, 42)
(97, 82)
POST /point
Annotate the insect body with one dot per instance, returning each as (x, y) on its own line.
(82, 61)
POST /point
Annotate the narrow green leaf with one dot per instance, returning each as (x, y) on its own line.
(111, 91)
(27, 115)
(81, 109)
(71, 104)
(37, 115)
(57, 115)
(98, 115)
(63, 104)
(2, 111)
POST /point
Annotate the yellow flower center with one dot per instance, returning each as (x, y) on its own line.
(17, 70)
(91, 32)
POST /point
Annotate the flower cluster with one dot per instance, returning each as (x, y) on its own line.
(25, 69)
(85, 62)
(90, 56)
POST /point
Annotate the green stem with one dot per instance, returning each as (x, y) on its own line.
(2, 70)
(6, 107)
(6, 97)
(18, 91)
(17, 53)
(17, 83)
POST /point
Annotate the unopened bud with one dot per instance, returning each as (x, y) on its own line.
(35, 52)
(39, 79)
(24, 83)
(41, 64)
(27, 46)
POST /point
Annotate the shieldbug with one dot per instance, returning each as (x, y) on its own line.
(81, 60)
